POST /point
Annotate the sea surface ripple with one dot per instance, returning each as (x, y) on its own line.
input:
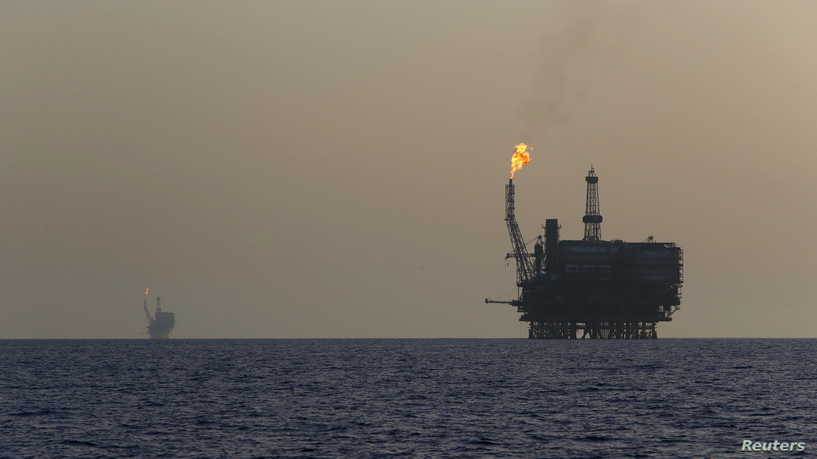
(423, 397)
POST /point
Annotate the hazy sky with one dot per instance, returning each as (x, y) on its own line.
(336, 169)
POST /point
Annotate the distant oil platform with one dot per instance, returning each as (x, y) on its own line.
(161, 323)
(603, 289)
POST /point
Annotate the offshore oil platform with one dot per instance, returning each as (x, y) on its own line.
(161, 323)
(603, 289)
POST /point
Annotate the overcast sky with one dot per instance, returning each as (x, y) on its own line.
(336, 169)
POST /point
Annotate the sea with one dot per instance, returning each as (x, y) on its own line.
(408, 398)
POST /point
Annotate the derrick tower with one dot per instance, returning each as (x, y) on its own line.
(592, 218)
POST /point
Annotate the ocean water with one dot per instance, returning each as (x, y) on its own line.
(428, 398)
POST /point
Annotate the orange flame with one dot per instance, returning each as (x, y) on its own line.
(519, 158)
(147, 291)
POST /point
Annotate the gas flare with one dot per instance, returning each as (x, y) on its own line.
(519, 158)
(147, 291)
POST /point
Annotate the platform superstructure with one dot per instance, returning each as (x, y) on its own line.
(592, 288)
(160, 323)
